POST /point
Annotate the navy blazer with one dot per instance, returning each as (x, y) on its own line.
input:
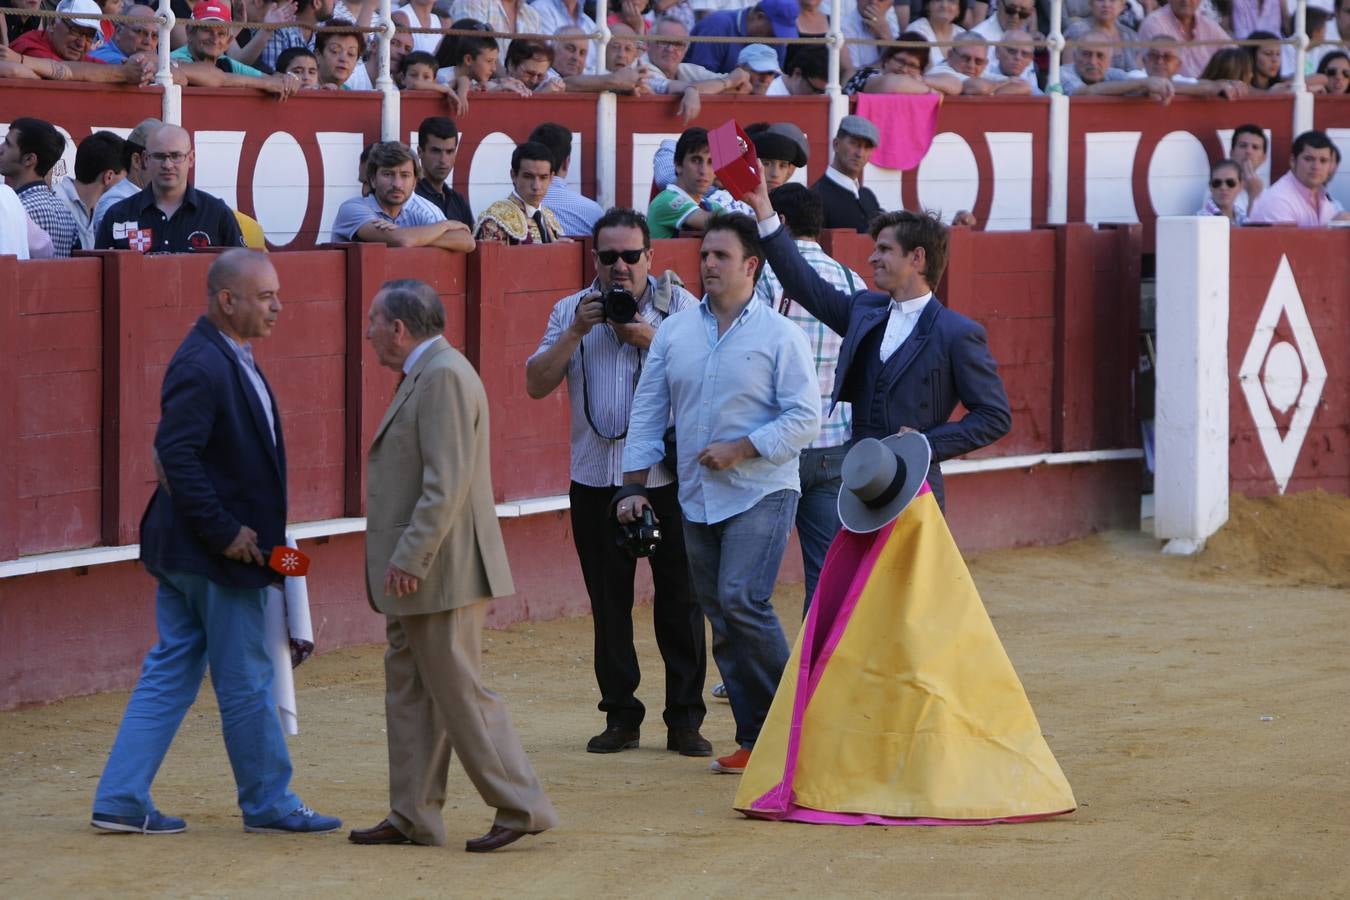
(945, 359)
(221, 467)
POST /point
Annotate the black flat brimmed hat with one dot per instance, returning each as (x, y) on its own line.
(782, 140)
(880, 478)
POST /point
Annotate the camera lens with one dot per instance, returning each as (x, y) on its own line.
(620, 306)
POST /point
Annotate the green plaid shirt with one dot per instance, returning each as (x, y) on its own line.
(837, 426)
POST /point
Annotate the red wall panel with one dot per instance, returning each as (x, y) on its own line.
(1320, 262)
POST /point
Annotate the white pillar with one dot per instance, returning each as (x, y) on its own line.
(606, 148)
(1190, 482)
(384, 82)
(1057, 159)
(171, 110)
(1300, 45)
(835, 48)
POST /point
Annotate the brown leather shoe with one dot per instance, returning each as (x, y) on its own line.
(497, 837)
(383, 833)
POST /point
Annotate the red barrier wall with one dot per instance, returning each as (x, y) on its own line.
(50, 314)
(1319, 261)
(97, 342)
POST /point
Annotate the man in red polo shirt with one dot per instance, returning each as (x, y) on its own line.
(64, 39)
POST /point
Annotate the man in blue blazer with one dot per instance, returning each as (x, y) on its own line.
(906, 360)
(219, 510)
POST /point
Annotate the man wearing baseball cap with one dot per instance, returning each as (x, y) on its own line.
(847, 203)
(208, 37)
(760, 62)
(65, 39)
(768, 18)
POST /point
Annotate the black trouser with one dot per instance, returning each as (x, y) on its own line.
(678, 621)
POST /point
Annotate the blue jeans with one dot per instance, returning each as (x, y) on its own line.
(818, 510)
(733, 566)
(200, 621)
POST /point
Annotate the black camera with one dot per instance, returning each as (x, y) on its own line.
(639, 539)
(620, 305)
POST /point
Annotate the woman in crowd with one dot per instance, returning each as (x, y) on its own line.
(1225, 183)
(900, 72)
(1229, 64)
(1105, 18)
(939, 24)
(1266, 63)
(811, 22)
(1335, 67)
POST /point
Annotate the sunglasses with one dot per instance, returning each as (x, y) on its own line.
(1016, 13)
(1339, 73)
(610, 257)
(1223, 182)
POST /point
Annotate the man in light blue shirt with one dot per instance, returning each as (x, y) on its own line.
(741, 383)
(129, 38)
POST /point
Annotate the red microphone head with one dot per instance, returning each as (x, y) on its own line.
(288, 561)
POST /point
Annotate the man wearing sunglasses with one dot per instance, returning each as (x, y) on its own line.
(169, 215)
(601, 361)
(1011, 16)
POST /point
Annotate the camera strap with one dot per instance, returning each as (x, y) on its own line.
(662, 306)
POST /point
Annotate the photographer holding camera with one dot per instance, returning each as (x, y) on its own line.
(597, 340)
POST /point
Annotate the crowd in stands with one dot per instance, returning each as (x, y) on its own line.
(961, 47)
(405, 199)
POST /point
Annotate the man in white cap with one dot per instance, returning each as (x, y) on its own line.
(65, 39)
(847, 203)
(760, 64)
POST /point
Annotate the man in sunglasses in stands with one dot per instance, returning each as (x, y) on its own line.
(601, 358)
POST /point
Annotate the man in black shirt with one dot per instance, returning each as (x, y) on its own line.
(437, 146)
(847, 203)
(169, 215)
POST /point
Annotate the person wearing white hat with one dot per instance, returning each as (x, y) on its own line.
(68, 39)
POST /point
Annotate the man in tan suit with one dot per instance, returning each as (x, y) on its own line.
(434, 557)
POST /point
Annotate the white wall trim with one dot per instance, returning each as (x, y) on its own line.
(520, 509)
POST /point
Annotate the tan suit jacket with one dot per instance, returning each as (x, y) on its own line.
(429, 506)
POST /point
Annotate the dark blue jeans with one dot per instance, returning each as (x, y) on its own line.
(733, 566)
(818, 510)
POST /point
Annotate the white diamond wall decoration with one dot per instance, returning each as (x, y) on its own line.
(1272, 375)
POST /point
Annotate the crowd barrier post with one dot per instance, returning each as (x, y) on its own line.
(1057, 150)
(384, 82)
(838, 100)
(1303, 100)
(172, 110)
(606, 121)
(1191, 475)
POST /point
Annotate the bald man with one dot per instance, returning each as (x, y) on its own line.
(219, 510)
(169, 215)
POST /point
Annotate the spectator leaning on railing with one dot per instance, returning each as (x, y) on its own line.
(759, 65)
(30, 149)
(966, 71)
(806, 74)
(130, 38)
(555, 15)
(1165, 61)
(339, 54)
(391, 213)
(666, 59)
(1335, 66)
(170, 215)
(208, 36)
(529, 62)
(303, 64)
(901, 71)
(1092, 75)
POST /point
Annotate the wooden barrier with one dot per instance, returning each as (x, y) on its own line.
(84, 343)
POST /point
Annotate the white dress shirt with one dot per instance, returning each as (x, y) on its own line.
(416, 354)
(904, 316)
(842, 180)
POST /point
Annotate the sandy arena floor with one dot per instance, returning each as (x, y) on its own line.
(1199, 709)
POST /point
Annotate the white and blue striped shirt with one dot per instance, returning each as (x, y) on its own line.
(577, 212)
(603, 373)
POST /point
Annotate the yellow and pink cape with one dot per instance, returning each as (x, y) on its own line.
(899, 704)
